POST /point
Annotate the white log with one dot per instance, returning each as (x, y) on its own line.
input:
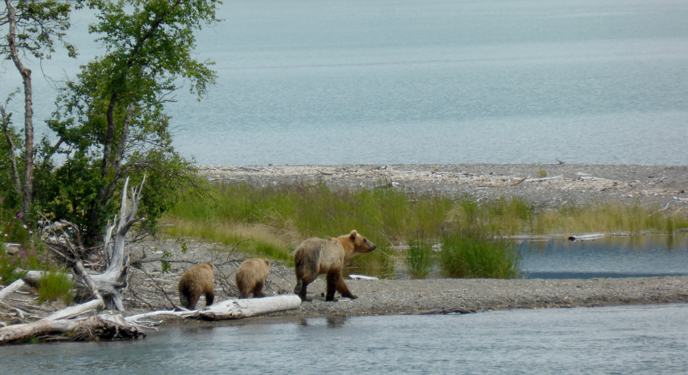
(11, 288)
(33, 277)
(229, 309)
(236, 309)
(19, 331)
(177, 314)
(76, 310)
(115, 324)
(362, 277)
(587, 237)
(560, 177)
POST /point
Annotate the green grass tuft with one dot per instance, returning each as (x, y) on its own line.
(419, 259)
(55, 285)
(473, 255)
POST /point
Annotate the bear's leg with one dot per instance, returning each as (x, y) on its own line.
(300, 289)
(258, 290)
(193, 300)
(244, 291)
(332, 286)
(343, 289)
(209, 297)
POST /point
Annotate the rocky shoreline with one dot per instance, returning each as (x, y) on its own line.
(663, 187)
(545, 185)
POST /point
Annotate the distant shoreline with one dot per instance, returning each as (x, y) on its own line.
(546, 185)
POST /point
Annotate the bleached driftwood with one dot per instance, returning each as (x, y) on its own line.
(55, 322)
(102, 325)
(105, 287)
(229, 309)
(560, 177)
(111, 282)
(240, 308)
(11, 288)
(586, 237)
(33, 277)
(76, 310)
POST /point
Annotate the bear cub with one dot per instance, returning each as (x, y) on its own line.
(250, 277)
(317, 256)
(196, 282)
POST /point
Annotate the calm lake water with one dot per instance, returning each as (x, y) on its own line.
(624, 256)
(607, 340)
(596, 82)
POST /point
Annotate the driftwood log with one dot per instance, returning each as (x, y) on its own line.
(106, 287)
(225, 310)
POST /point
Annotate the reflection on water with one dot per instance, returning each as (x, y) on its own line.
(610, 256)
(624, 340)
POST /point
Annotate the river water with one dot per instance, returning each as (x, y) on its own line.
(383, 81)
(603, 340)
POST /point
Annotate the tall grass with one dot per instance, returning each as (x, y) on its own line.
(273, 220)
(419, 259)
(55, 285)
(473, 254)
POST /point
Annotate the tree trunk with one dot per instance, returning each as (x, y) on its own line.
(28, 110)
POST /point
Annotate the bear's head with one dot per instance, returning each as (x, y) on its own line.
(361, 244)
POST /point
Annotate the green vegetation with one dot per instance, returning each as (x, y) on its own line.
(55, 285)
(271, 220)
(541, 173)
(110, 122)
(419, 259)
(472, 254)
(13, 230)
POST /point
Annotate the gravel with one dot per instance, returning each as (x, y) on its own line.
(663, 187)
(656, 186)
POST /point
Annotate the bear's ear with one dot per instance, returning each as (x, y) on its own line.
(353, 235)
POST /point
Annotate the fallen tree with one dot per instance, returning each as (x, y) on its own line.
(110, 326)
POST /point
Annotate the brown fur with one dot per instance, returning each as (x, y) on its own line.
(196, 282)
(317, 256)
(250, 277)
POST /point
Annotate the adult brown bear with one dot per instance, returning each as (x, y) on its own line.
(250, 277)
(317, 256)
(196, 282)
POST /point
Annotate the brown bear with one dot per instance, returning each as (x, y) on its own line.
(250, 277)
(196, 282)
(317, 256)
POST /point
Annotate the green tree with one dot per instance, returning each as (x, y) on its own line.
(110, 120)
(34, 28)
